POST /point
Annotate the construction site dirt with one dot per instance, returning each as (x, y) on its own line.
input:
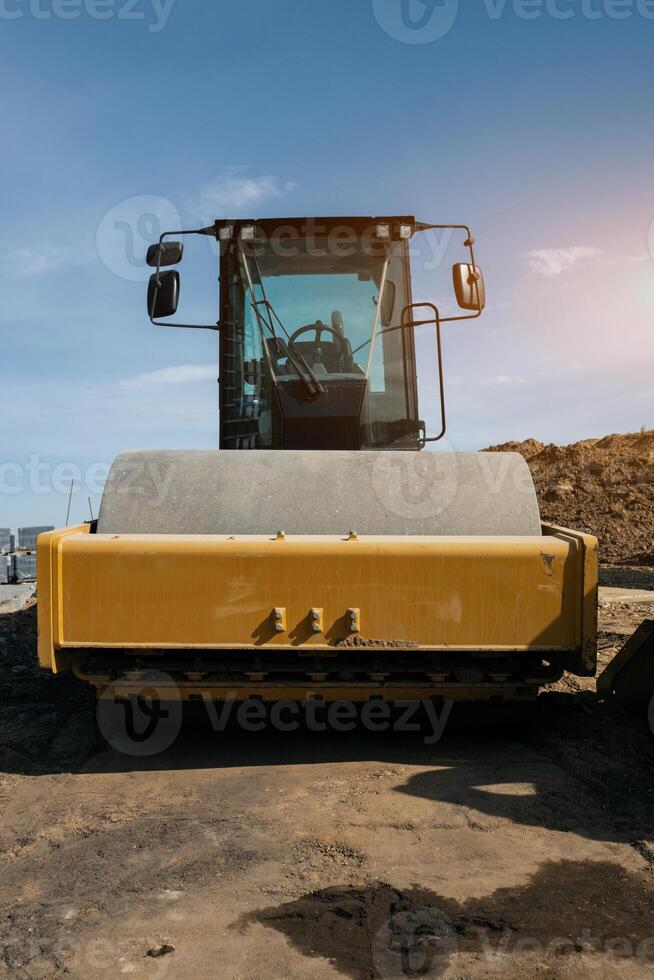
(605, 486)
(495, 852)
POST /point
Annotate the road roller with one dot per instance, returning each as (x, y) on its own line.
(329, 548)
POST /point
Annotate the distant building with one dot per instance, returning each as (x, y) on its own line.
(27, 536)
(6, 569)
(24, 568)
(17, 567)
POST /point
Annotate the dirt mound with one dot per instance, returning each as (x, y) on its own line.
(605, 486)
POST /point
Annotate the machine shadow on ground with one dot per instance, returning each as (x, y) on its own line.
(381, 931)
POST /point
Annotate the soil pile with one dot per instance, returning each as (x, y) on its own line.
(604, 486)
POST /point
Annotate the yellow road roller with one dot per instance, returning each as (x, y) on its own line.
(322, 551)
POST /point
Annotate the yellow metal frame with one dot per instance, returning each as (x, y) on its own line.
(587, 572)
(189, 592)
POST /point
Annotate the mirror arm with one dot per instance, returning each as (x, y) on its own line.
(181, 326)
(452, 319)
(469, 243)
(188, 326)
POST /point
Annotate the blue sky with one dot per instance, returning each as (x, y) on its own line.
(529, 124)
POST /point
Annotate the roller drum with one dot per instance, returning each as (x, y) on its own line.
(307, 493)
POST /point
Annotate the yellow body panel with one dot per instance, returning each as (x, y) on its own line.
(192, 592)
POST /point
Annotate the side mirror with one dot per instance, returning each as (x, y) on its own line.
(164, 253)
(469, 287)
(163, 294)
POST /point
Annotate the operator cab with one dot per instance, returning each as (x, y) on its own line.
(310, 360)
(316, 331)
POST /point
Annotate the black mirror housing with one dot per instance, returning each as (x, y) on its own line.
(469, 287)
(163, 294)
(164, 253)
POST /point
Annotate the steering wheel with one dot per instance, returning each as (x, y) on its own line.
(317, 328)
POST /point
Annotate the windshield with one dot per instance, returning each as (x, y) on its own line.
(312, 318)
(316, 313)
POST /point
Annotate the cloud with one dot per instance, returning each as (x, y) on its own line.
(234, 191)
(552, 262)
(181, 374)
(23, 261)
(501, 380)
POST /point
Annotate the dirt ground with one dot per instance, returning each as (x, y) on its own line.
(489, 854)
